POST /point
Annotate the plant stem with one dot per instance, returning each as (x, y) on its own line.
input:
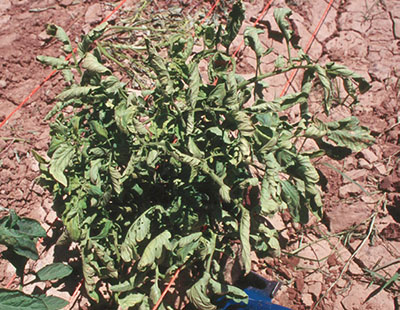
(267, 75)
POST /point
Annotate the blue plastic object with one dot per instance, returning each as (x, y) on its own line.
(260, 291)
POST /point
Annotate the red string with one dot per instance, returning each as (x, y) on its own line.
(52, 73)
(289, 81)
(210, 11)
(167, 288)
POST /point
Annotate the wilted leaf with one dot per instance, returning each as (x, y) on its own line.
(348, 133)
(61, 35)
(136, 233)
(154, 249)
(251, 39)
(245, 239)
(115, 179)
(326, 84)
(53, 61)
(292, 198)
(91, 63)
(75, 92)
(235, 20)
(231, 292)
(281, 15)
(198, 294)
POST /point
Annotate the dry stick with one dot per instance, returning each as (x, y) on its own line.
(371, 226)
(289, 81)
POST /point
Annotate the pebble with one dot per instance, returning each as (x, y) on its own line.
(369, 155)
(362, 163)
(93, 14)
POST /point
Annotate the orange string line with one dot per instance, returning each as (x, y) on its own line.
(167, 288)
(75, 294)
(210, 11)
(52, 73)
(294, 72)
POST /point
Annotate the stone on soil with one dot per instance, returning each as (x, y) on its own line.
(350, 189)
(342, 217)
(93, 14)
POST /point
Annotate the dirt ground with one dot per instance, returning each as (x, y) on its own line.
(327, 264)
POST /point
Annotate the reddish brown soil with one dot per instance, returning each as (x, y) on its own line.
(362, 34)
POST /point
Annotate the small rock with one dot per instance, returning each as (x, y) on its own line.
(93, 14)
(354, 214)
(396, 28)
(307, 300)
(379, 72)
(349, 190)
(43, 36)
(355, 175)
(4, 5)
(381, 168)
(3, 84)
(66, 3)
(369, 155)
(315, 289)
(38, 189)
(362, 163)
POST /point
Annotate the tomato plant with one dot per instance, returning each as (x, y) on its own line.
(147, 181)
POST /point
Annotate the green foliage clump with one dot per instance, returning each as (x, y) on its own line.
(149, 181)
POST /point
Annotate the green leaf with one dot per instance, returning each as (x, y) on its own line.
(252, 39)
(245, 239)
(91, 63)
(154, 249)
(198, 294)
(53, 302)
(54, 271)
(19, 235)
(281, 15)
(60, 161)
(16, 300)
